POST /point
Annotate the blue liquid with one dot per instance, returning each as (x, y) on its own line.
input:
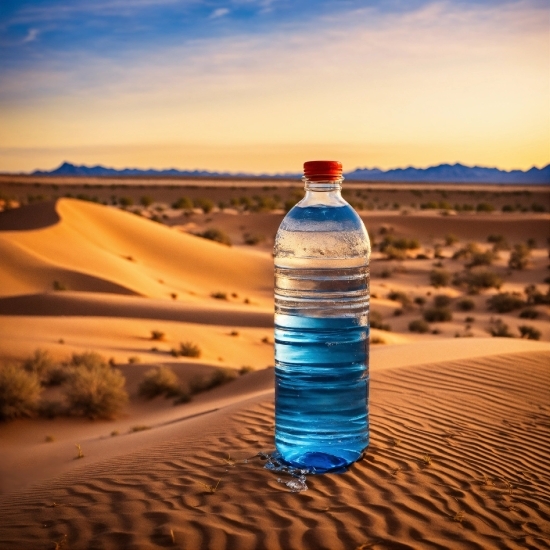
(321, 391)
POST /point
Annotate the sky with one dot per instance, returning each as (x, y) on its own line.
(263, 85)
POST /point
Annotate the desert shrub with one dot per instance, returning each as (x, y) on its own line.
(419, 325)
(95, 390)
(519, 257)
(206, 205)
(535, 296)
(530, 332)
(252, 238)
(465, 304)
(189, 349)
(216, 235)
(536, 207)
(159, 381)
(40, 363)
(88, 359)
(450, 239)
(395, 247)
(126, 201)
(529, 313)
(467, 251)
(437, 314)
(500, 329)
(439, 277)
(19, 392)
(505, 302)
(485, 207)
(218, 378)
(57, 285)
(442, 300)
(475, 281)
(499, 242)
(183, 203)
(376, 321)
(157, 335)
(219, 295)
(146, 201)
(482, 258)
(400, 297)
(420, 301)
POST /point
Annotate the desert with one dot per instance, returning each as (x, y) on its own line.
(171, 281)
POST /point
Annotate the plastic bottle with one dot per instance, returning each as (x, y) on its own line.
(322, 252)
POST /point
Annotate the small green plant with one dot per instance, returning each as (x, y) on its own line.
(19, 392)
(529, 332)
(189, 349)
(419, 325)
(439, 277)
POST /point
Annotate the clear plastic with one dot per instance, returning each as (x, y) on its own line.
(322, 252)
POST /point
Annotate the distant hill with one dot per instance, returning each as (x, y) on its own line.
(443, 173)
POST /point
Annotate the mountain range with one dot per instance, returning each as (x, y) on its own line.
(442, 173)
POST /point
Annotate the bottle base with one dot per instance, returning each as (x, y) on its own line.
(319, 462)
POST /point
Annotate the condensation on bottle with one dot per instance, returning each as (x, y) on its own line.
(322, 252)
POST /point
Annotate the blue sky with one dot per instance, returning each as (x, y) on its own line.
(162, 75)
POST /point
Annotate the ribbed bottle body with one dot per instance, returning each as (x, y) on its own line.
(321, 336)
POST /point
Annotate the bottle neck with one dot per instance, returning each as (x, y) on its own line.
(326, 192)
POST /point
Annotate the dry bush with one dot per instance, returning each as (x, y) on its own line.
(439, 277)
(499, 329)
(48, 371)
(442, 300)
(218, 378)
(475, 281)
(530, 332)
(160, 381)
(419, 325)
(437, 314)
(216, 235)
(519, 257)
(377, 321)
(19, 392)
(189, 349)
(465, 304)
(505, 302)
(94, 389)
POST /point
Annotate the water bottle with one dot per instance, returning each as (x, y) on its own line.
(322, 252)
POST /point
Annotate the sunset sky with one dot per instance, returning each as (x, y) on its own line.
(262, 85)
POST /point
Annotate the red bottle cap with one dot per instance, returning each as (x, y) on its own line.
(323, 170)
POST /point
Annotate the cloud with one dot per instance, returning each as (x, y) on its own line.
(220, 12)
(32, 35)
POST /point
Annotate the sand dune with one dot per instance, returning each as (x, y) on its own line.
(139, 257)
(448, 467)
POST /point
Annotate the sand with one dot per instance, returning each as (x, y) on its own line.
(460, 427)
